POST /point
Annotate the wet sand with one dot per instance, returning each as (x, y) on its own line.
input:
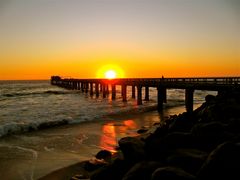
(33, 155)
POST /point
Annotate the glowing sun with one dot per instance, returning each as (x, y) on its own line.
(110, 71)
(110, 74)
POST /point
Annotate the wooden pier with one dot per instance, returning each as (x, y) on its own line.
(97, 86)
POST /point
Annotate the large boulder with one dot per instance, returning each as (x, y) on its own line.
(208, 135)
(182, 123)
(222, 163)
(132, 149)
(171, 173)
(115, 170)
(189, 160)
(142, 170)
(210, 99)
(233, 125)
(161, 148)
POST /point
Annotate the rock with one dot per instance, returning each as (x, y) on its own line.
(189, 160)
(222, 163)
(171, 173)
(209, 135)
(115, 170)
(160, 149)
(102, 158)
(132, 149)
(178, 140)
(182, 123)
(142, 170)
(142, 130)
(105, 155)
(157, 132)
(208, 129)
(234, 125)
(210, 99)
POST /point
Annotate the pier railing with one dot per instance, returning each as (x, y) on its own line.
(214, 80)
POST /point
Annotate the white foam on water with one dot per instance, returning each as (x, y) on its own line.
(33, 159)
(27, 106)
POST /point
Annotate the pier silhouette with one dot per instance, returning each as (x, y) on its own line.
(97, 86)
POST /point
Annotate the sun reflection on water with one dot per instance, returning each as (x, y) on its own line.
(112, 132)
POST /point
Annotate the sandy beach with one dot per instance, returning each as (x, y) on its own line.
(35, 154)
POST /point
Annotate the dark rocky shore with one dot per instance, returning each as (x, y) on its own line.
(199, 145)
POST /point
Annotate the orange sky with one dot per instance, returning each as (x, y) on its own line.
(142, 38)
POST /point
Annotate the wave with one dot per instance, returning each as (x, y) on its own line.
(18, 128)
(37, 93)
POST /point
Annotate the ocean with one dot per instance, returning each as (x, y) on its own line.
(45, 127)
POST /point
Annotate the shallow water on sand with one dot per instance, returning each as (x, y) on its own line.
(35, 154)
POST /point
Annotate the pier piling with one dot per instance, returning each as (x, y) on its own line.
(139, 95)
(189, 99)
(113, 91)
(133, 92)
(146, 93)
(97, 89)
(124, 93)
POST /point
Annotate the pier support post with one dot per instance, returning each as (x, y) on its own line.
(107, 88)
(66, 84)
(75, 85)
(133, 92)
(91, 89)
(86, 87)
(104, 90)
(139, 95)
(164, 94)
(113, 91)
(82, 86)
(97, 89)
(146, 93)
(121, 90)
(124, 92)
(189, 99)
(161, 95)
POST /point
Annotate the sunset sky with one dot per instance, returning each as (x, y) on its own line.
(143, 38)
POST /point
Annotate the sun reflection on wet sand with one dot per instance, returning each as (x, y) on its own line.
(108, 139)
(112, 132)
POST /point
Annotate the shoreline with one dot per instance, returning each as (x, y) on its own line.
(199, 145)
(77, 168)
(63, 146)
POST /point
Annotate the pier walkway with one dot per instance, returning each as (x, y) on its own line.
(106, 86)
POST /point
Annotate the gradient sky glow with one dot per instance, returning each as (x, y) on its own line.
(146, 38)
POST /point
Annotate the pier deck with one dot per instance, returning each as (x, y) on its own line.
(97, 86)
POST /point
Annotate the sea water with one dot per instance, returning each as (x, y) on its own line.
(28, 105)
(36, 140)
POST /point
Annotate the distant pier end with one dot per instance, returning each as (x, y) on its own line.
(97, 86)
